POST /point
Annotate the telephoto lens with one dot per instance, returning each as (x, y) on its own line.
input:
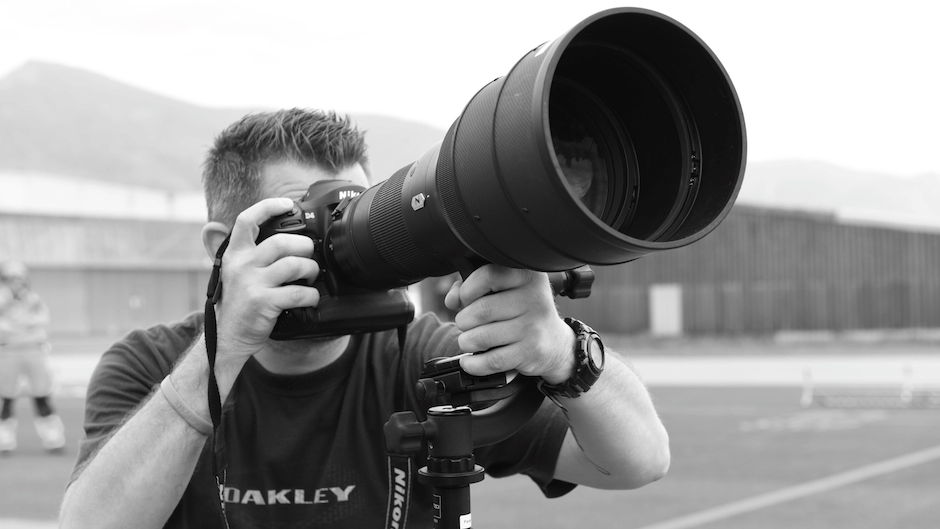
(622, 137)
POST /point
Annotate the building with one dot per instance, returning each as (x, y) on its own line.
(761, 271)
(765, 270)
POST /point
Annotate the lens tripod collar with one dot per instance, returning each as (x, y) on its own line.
(589, 355)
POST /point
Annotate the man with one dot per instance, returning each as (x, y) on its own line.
(302, 423)
(24, 354)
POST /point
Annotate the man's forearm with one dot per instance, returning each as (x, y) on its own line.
(139, 475)
(616, 438)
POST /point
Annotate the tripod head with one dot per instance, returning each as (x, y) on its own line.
(465, 412)
(498, 407)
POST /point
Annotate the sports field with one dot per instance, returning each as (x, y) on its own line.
(744, 455)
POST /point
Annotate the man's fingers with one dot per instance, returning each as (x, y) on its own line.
(293, 296)
(491, 278)
(488, 309)
(452, 299)
(290, 269)
(246, 229)
(497, 360)
(281, 245)
(485, 337)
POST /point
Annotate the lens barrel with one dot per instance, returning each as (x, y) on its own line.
(622, 137)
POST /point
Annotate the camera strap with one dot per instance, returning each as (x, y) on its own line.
(400, 466)
(213, 295)
(400, 478)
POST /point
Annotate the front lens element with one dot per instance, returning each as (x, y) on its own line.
(592, 152)
(581, 158)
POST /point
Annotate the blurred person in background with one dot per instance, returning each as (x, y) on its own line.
(24, 354)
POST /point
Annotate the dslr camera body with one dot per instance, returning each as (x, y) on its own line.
(344, 307)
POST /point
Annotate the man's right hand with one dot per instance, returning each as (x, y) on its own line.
(255, 279)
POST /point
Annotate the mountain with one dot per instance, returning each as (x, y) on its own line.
(854, 196)
(66, 121)
(63, 121)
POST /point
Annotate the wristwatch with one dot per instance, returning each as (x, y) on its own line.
(589, 355)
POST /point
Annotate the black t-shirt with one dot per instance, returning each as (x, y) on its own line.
(307, 450)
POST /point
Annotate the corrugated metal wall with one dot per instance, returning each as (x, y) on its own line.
(111, 301)
(78, 241)
(765, 270)
(108, 276)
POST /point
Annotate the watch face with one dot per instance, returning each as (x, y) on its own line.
(596, 349)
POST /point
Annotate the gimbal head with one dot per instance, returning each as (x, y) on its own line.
(454, 428)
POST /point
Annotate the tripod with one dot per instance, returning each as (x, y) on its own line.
(466, 412)
(453, 429)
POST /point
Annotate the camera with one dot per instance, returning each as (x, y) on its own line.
(622, 137)
(344, 308)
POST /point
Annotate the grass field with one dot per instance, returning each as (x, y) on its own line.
(731, 444)
(743, 457)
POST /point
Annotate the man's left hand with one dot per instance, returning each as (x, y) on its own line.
(509, 320)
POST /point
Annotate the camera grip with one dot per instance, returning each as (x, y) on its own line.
(347, 314)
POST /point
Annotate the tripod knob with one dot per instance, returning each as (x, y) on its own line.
(403, 433)
(428, 388)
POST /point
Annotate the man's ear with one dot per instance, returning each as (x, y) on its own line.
(213, 234)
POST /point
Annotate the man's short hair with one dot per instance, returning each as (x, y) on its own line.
(231, 174)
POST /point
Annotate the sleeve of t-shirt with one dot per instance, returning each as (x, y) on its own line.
(125, 376)
(532, 451)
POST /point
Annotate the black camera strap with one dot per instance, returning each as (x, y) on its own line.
(213, 295)
(400, 465)
(400, 478)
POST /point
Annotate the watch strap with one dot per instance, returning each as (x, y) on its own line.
(584, 377)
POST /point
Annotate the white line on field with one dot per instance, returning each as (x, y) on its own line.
(13, 523)
(799, 491)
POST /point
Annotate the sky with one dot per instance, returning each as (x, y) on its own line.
(854, 84)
